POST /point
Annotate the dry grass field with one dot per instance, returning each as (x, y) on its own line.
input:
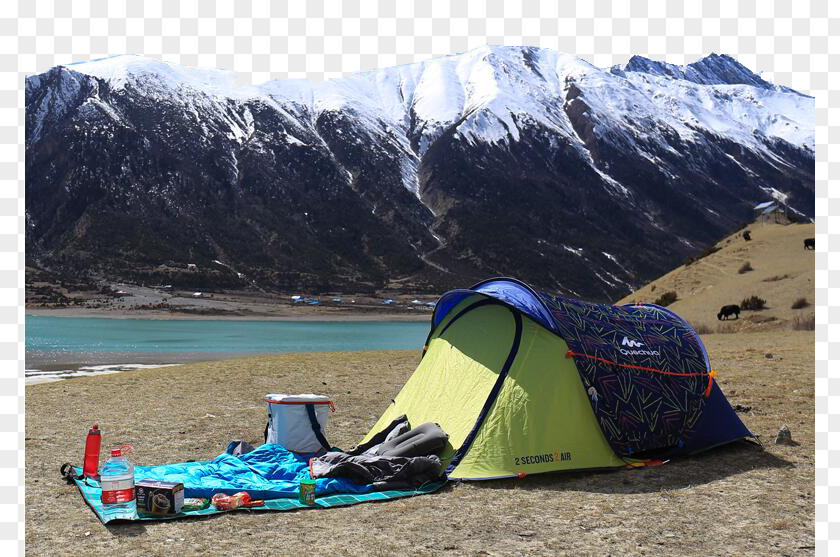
(781, 273)
(735, 500)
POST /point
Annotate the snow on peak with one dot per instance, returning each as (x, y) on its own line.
(157, 76)
(488, 94)
(714, 69)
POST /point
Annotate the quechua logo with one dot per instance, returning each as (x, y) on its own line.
(632, 343)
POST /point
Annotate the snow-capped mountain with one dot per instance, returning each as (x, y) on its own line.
(503, 160)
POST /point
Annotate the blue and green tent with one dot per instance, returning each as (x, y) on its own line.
(526, 382)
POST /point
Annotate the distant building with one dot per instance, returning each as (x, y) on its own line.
(772, 211)
(192, 267)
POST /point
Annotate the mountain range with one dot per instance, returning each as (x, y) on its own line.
(513, 161)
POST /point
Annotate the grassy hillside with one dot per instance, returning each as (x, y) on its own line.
(781, 273)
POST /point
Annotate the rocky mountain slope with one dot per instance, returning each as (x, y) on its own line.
(500, 161)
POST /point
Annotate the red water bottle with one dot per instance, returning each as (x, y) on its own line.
(92, 445)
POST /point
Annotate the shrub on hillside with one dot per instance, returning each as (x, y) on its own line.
(708, 251)
(666, 299)
(753, 303)
(804, 323)
(745, 268)
(800, 303)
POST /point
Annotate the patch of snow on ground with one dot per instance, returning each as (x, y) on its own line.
(612, 258)
(408, 171)
(602, 279)
(35, 376)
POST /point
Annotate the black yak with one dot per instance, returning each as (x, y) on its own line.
(726, 311)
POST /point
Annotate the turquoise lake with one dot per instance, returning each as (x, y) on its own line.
(97, 335)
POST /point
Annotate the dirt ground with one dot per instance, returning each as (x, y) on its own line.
(735, 500)
(144, 302)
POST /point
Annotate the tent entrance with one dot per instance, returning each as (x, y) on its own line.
(457, 374)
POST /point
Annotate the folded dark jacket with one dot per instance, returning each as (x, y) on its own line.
(399, 439)
(380, 472)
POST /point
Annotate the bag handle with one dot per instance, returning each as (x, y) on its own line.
(316, 427)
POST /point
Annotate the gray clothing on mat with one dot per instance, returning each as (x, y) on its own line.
(397, 457)
(399, 439)
(381, 472)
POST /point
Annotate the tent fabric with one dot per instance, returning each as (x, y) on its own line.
(719, 424)
(457, 373)
(269, 472)
(448, 301)
(495, 420)
(520, 296)
(639, 410)
(510, 291)
(525, 382)
(515, 431)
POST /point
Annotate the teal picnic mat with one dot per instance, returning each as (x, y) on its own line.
(92, 495)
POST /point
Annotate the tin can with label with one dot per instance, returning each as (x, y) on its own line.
(307, 492)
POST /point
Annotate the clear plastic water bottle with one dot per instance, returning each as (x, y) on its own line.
(116, 478)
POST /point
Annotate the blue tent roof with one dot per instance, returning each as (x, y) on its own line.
(507, 290)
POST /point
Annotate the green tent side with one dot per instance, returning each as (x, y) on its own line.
(541, 421)
(500, 385)
(454, 379)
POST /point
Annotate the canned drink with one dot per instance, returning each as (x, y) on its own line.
(307, 492)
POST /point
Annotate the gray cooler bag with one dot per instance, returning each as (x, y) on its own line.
(298, 422)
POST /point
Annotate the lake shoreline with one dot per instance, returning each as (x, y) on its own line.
(290, 314)
(59, 361)
(68, 345)
(131, 301)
